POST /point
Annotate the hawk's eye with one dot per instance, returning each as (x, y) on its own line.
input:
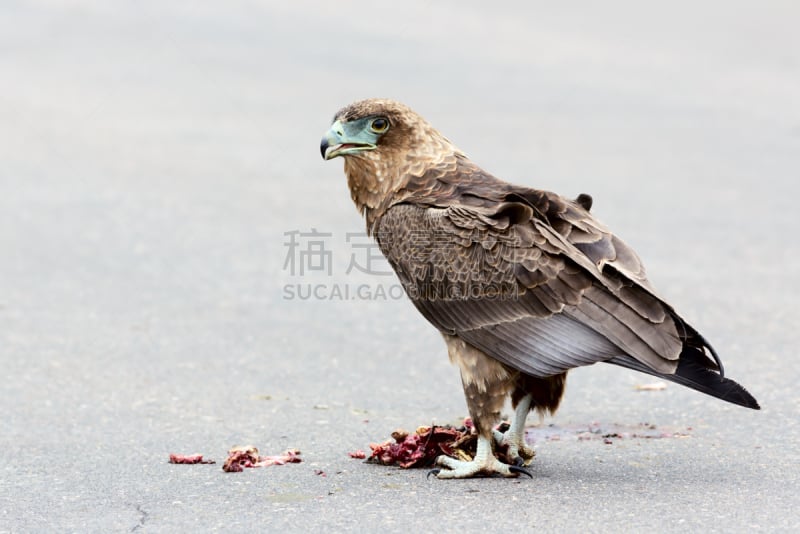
(379, 125)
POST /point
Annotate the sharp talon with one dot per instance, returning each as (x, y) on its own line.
(519, 461)
(433, 472)
(517, 469)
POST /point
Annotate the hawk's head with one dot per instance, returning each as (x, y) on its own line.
(368, 125)
(382, 129)
(384, 144)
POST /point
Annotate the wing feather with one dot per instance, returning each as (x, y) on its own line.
(508, 283)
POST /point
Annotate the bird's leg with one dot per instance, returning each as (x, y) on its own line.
(487, 384)
(514, 437)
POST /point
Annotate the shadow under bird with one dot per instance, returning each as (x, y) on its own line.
(523, 284)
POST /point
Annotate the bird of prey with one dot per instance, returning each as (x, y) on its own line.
(523, 284)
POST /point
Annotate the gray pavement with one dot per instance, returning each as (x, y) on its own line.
(153, 156)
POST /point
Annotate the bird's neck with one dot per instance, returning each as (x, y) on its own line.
(372, 182)
(376, 182)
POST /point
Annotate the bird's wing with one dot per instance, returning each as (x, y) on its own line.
(536, 284)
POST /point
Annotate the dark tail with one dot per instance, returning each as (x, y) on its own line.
(696, 371)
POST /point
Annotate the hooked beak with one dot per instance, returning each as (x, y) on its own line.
(336, 143)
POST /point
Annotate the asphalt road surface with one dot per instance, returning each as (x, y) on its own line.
(180, 272)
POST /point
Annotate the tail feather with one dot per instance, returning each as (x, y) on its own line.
(695, 372)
